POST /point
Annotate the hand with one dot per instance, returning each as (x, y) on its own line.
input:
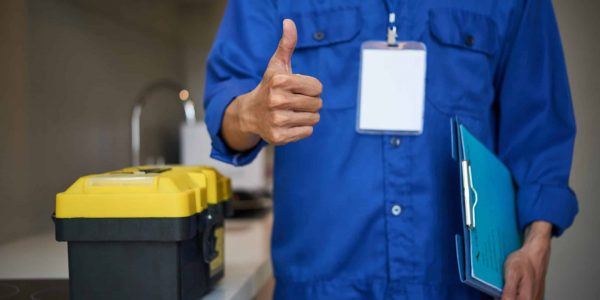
(283, 108)
(525, 269)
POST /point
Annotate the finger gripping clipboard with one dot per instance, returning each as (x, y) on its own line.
(489, 217)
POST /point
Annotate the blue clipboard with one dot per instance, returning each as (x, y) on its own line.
(490, 231)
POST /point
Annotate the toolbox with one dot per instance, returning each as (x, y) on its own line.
(144, 232)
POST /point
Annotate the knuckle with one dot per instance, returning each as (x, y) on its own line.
(509, 263)
(510, 268)
(272, 116)
(270, 136)
(276, 136)
(275, 101)
(280, 119)
(513, 274)
(509, 272)
(279, 80)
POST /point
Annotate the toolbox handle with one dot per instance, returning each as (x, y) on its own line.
(209, 241)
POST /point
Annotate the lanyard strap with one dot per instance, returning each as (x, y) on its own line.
(392, 34)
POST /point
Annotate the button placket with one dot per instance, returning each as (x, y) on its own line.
(397, 176)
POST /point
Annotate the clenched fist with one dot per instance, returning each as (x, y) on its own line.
(283, 108)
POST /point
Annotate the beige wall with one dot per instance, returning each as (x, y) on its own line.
(199, 24)
(13, 119)
(75, 71)
(575, 267)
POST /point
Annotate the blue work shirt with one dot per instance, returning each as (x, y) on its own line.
(374, 216)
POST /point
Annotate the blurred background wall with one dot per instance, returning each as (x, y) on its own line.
(74, 70)
(575, 267)
(71, 70)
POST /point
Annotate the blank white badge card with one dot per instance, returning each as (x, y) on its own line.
(391, 98)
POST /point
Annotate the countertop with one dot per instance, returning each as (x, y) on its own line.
(247, 260)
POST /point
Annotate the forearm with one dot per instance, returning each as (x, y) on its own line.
(537, 243)
(232, 132)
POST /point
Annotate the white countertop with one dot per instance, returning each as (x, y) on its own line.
(247, 260)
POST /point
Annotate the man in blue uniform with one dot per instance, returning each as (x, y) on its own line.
(374, 216)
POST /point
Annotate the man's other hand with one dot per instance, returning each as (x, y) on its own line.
(525, 269)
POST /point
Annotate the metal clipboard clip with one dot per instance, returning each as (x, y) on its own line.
(467, 185)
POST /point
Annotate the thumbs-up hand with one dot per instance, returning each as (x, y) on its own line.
(284, 107)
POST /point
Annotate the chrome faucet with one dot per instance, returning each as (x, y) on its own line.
(189, 111)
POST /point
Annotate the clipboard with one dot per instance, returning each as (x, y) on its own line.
(488, 201)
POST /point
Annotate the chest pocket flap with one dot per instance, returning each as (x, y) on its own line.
(327, 27)
(464, 29)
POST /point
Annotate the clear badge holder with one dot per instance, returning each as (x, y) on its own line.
(391, 94)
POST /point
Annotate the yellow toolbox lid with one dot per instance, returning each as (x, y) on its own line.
(218, 187)
(137, 192)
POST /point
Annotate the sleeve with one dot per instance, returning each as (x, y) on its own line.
(536, 129)
(246, 39)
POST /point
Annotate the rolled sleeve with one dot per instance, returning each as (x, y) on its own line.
(214, 119)
(554, 204)
(536, 121)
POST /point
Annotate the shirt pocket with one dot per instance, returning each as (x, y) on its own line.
(461, 54)
(464, 29)
(328, 49)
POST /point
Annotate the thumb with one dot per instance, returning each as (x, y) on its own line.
(282, 58)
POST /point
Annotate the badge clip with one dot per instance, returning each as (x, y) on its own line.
(392, 35)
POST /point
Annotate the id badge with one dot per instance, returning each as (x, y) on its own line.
(391, 95)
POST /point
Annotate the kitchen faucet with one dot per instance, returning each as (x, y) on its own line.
(136, 114)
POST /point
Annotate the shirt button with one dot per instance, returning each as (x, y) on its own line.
(469, 40)
(319, 35)
(396, 210)
(395, 142)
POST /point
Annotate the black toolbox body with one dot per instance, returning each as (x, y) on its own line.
(145, 258)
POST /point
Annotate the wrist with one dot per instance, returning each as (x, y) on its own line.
(538, 236)
(235, 130)
(539, 230)
(243, 123)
